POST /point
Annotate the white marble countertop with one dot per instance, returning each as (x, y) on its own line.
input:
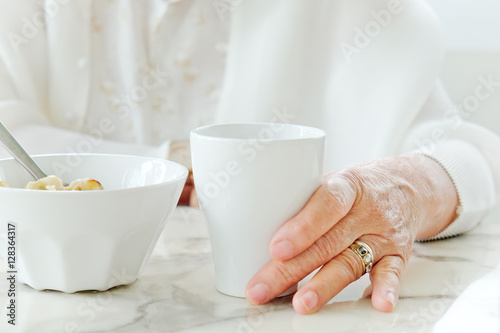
(449, 286)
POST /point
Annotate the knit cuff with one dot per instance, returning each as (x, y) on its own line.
(473, 180)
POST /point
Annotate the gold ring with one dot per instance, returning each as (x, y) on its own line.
(364, 253)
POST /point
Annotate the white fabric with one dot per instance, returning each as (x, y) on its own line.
(129, 76)
(459, 158)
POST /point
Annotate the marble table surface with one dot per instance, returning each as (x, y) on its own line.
(449, 286)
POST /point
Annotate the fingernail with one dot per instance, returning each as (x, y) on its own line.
(282, 250)
(391, 297)
(258, 294)
(309, 300)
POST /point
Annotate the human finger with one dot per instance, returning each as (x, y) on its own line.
(279, 275)
(193, 200)
(329, 204)
(332, 278)
(385, 279)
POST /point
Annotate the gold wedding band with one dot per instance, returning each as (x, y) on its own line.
(364, 252)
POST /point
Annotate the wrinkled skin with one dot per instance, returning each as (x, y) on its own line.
(386, 203)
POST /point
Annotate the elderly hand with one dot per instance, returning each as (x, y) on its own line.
(387, 204)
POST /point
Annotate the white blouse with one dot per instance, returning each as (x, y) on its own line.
(135, 77)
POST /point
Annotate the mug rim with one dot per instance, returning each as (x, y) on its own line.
(311, 132)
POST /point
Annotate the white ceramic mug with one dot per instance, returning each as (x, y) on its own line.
(251, 178)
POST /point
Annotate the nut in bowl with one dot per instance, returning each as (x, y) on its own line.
(88, 240)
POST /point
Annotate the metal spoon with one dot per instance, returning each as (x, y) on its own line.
(20, 154)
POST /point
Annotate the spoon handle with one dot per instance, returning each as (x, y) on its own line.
(19, 153)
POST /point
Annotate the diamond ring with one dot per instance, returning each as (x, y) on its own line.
(364, 252)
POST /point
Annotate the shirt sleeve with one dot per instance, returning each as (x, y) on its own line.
(35, 133)
(32, 127)
(469, 153)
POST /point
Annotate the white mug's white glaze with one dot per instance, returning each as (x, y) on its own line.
(88, 240)
(251, 178)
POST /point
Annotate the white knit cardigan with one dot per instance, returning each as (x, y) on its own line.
(134, 77)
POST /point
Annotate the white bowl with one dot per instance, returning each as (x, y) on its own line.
(88, 240)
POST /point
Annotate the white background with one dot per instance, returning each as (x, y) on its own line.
(470, 24)
(472, 37)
